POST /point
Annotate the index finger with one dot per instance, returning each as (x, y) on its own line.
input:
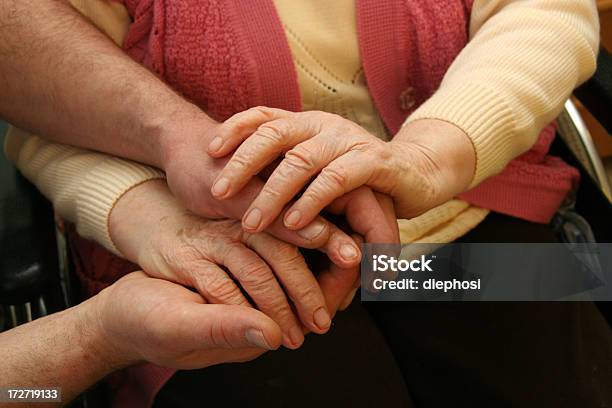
(260, 149)
(240, 126)
(319, 234)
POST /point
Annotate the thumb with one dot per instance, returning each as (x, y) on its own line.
(229, 326)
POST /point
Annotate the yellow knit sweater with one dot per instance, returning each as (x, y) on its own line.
(84, 186)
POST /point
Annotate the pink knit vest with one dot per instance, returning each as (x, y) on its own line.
(227, 56)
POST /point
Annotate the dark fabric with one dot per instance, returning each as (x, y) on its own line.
(539, 354)
(350, 366)
(442, 354)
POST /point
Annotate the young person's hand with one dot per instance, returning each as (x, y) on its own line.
(426, 164)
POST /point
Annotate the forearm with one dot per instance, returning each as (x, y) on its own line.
(83, 186)
(523, 60)
(65, 350)
(64, 80)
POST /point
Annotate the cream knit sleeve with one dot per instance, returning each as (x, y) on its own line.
(522, 62)
(82, 185)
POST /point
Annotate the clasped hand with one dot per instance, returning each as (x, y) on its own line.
(275, 154)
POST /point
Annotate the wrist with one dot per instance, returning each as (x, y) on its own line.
(98, 347)
(447, 149)
(136, 214)
(182, 131)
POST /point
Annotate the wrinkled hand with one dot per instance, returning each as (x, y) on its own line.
(220, 260)
(139, 318)
(426, 164)
(190, 172)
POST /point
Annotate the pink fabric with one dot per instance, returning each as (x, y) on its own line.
(227, 56)
(535, 181)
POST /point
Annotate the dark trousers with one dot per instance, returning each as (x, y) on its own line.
(540, 354)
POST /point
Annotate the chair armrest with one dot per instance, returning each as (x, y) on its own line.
(596, 93)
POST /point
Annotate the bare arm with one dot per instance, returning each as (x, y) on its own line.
(66, 81)
(77, 347)
(62, 350)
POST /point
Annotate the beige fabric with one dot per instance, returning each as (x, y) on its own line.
(442, 224)
(327, 60)
(523, 60)
(109, 16)
(331, 79)
(82, 185)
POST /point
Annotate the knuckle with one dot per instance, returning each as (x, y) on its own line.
(270, 190)
(290, 259)
(182, 256)
(222, 288)
(240, 161)
(245, 119)
(300, 158)
(274, 132)
(308, 293)
(218, 335)
(382, 152)
(256, 275)
(334, 177)
(313, 195)
(261, 110)
(287, 254)
(280, 309)
(234, 124)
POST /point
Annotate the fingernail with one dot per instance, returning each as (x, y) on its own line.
(312, 230)
(296, 336)
(293, 218)
(348, 252)
(252, 219)
(347, 301)
(220, 187)
(215, 145)
(257, 338)
(321, 319)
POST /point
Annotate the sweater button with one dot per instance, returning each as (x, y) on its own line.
(406, 99)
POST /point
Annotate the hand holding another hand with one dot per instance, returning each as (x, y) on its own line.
(427, 163)
(220, 261)
(139, 318)
(190, 172)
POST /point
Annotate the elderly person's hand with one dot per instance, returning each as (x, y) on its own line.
(220, 260)
(191, 173)
(426, 164)
(139, 318)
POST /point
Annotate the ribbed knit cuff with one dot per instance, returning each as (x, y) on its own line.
(484, 116)
(101, 189)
